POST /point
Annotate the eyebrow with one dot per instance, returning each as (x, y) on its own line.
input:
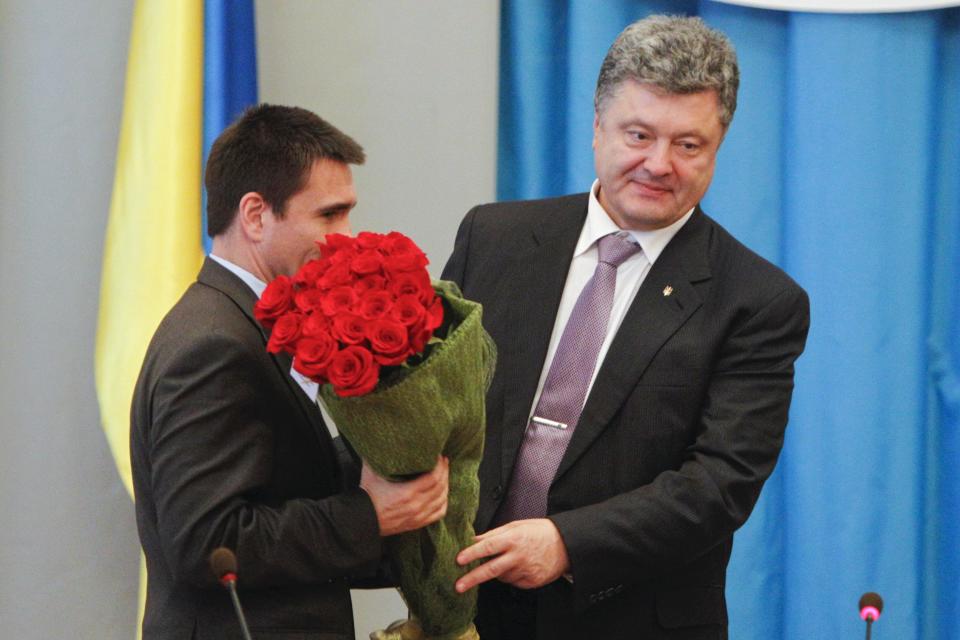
(635, 122)
(336, 206)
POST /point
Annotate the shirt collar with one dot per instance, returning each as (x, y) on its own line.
(249, 279)
(309, 387)
(599, 224)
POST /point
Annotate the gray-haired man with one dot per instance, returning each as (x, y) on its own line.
(645, 366)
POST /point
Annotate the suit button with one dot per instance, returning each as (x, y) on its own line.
(497, 492)
(609, 593)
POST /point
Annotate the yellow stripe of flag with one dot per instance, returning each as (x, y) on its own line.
(153, 245)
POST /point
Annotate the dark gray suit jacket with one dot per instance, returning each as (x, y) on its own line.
(683, 425)
(228, 451)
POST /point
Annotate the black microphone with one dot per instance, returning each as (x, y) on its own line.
(871, 604)
(223, 563)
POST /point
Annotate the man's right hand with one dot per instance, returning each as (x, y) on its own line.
(405, 506)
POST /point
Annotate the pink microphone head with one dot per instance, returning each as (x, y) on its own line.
(871, 604)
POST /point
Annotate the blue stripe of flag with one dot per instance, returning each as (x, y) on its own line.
(229, 71)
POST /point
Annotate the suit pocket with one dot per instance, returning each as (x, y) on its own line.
(691, 606)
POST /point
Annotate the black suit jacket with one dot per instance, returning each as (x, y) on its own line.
(683, 425)
(228, 451)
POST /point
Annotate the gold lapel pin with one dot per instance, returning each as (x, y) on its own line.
(667, 290)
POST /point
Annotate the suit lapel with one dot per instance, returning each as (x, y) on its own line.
(651, 320)
(534, 286)
(215, 275)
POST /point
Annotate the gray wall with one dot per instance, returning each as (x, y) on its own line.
(413, 81)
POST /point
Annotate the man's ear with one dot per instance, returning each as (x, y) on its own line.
(596, 128)
(250, 215)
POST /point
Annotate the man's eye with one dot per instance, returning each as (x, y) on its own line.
(689, 146)
(639, 136)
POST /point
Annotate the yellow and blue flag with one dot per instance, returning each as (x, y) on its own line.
(191, 70)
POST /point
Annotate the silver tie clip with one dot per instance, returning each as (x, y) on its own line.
(549, 423)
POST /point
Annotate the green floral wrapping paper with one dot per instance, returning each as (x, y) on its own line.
(436, 408)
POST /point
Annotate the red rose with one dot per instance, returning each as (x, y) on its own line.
(369, 240)
(309, 300)
(374, 304)
(366, 262)
(397, 243)
(416, 283)
(407, 310)
(419, 337)
(335, 242)
(402, 254)
(349, 328)
(337, 275)
(276, 300)
(313, 356)
(286, 331)
(434, 314)
(389, 341)
(343, 257)
(369, 283)
(315, 325)
(310, 272)
(403, 262)
(421, 333)
(338, 300)
(353, 372)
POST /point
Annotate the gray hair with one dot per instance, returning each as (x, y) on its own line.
(675, 53)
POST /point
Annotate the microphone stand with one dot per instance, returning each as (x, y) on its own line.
(232, 588)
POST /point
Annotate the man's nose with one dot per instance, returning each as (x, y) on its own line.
(657, 161)
(342, 226)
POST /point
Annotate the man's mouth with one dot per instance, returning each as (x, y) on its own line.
(650, 189)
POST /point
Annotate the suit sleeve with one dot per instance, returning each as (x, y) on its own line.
(456, 267)
(213, 449)
(687, 511)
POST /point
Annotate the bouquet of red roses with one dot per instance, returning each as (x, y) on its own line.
(404, 365)
(366, 303)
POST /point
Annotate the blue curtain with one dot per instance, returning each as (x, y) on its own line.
(843, 166)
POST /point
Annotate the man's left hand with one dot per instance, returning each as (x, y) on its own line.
(524, 553)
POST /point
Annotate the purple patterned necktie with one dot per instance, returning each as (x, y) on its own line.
(565, 389)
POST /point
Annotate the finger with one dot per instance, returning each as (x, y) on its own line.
(425, 483)
(438, 514)
(513, 576)
(485, 572)
(493, 533)
(441, 472)
(501, 531)
(481, 549)
(435, 505)
(437, 508)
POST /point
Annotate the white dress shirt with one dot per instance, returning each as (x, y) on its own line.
(630, 275)
(311, 388)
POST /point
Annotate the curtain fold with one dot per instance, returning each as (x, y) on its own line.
(842, 165)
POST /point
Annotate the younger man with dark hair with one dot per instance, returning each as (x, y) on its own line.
(227, 447)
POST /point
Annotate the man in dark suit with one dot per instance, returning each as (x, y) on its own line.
(228, 447)
(645, 366)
